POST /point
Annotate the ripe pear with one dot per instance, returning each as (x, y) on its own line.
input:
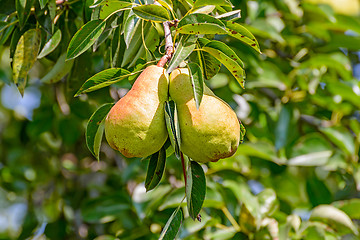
(135, 125)
(209, 133)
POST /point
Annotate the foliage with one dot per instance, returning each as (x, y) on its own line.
(296, 176)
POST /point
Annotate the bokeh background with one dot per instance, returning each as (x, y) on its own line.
(296, 176)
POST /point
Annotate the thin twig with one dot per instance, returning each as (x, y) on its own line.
(169, 46)
(230, 218)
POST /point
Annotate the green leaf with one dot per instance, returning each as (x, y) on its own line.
(192, 19)
(201, 28)
(25, 56)
(242, 133)
(155, 169)
(228, 57)
(59, 70)
(166, 3)
(7, 32)
(243, 194)
(172, 125)
(23, 10)
(241, 33)
(52, 12)
(136, 43)
(334, 217)
(351, 207)
(172, 226)
(283, 127)
(341, 137)
(95, 129)
(197, 82)
(268, 203)
(201, 3)
(131, 25)
(210, 66)
(195, 188)
(109, 7)
(152, 12)
(3, 25)
(85, 37)
(43, 3)
(112, 205)
(183, 50)
(104, 79)
(233, 15)
(148, 46)
(51, 44)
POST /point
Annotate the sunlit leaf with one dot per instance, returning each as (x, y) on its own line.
(104, 79)
(182, 51)
(197, 82)
(228, 57)
(152, 12)
(201, 3)
(25, 56)
(334, 217)
(109, 7)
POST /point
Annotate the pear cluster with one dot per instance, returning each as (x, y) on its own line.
(135, 126)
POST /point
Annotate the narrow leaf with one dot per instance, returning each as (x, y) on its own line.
(228, 57)
(135, 44)
(23, 10)
(333, 217)
(109, 7)
(155, 169)
(85, 37)
(166, 3)
(201, 3)
(43, 3)
(197, 82)
(103, 79)
(233, 15)
(201, 28)
(172, 126)
(51, 44)
(192, 19)
(210, 66)
(172, 226)
(94, 129)
(183, 50)
(195, 189)
(25, 56)
(152, 12)
(131, 24)
(241, 33)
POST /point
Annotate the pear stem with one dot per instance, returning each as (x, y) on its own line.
(169, 46)
(183, 166)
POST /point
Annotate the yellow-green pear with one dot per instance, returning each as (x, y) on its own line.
(209, 133)
(135, 126)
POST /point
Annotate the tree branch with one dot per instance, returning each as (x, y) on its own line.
(169, 45)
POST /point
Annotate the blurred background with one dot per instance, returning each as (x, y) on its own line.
(296, 176)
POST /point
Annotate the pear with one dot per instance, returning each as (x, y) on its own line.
(209, 133)
(135, 125)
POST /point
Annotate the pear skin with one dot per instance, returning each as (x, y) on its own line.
(135, 125)
(209, 133)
